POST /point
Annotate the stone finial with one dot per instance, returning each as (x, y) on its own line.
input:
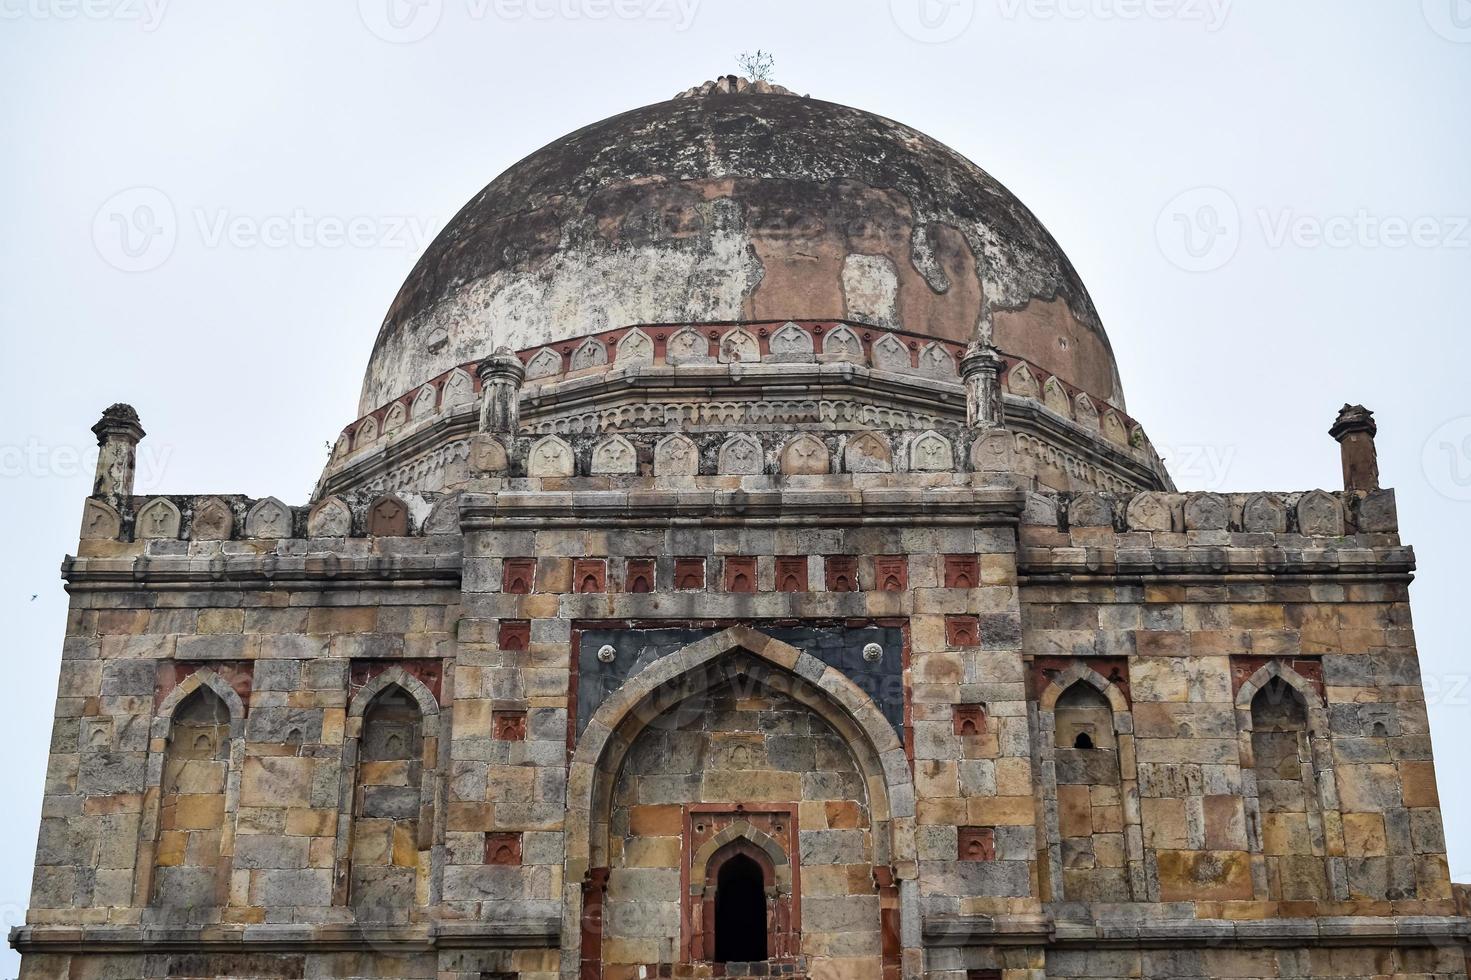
(501, 377)
(980, 368)
(734, 85)
(1355, 430)
(118, 434)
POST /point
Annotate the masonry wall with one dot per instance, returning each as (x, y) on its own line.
(377, 754)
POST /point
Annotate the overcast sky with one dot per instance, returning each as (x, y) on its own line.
(209, 207)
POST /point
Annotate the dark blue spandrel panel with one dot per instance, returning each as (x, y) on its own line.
(840, 647)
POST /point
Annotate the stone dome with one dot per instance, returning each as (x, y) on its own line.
(732, 204)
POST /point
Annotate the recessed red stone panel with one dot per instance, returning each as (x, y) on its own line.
(962, 631)
(590, 575)
(689, 573)
(1309, 668)
(509, 726)
(791, 573)
(702, 822)
(171, 673)
(891, 573)
(428, 672)
(970, 719)
(502, 848)
(740, 574)
(389, 518)
(982, 975)
(518, 576)
(842, 573)
(515, 634)
(977, 844)
(1115, 670)
(962, 572)
(638, 575)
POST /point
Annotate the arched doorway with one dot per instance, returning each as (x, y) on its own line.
(725, 738)
(739, 919)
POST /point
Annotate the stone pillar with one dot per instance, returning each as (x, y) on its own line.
(1355, 430)
(118, 434)
(501, 375)
(980, 368)
(594, 893)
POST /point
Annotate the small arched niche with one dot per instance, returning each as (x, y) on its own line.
(1286, 795)
(387, 794)
(191, 818)
(1091, 821)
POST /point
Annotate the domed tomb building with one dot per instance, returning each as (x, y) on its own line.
(743, 564)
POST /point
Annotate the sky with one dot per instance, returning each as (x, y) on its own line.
(210, 206)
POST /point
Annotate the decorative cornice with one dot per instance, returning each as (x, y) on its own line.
(500, 934)
(1040, 566)
(919, 507)
(1155, 933)
(323, 570)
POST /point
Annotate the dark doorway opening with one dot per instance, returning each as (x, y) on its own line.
(740, 912)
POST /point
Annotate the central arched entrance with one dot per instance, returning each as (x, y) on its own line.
(723, 793)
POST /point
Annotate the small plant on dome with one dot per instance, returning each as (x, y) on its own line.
(758, 66)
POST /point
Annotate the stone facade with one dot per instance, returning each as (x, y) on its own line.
(810, 648)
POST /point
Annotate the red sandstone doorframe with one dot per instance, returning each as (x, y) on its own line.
(703, 823)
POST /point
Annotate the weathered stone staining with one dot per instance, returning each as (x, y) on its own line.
(688, 346)
(158, 518)
(635, 349)
(741, 455)
(212, 521)
(589, 354)
(739, 347)
(330, 518)
(931, 453)
(100, 521)
(268, 519)
(748, 603)
(676, 455)
(805, 455)
(614, 456)
(791, 343)
(867, 452)
(550, 456)
(546, 364)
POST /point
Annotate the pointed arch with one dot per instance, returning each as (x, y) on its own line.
(1049, 755)
(422, 761)
(738, 652)
(1253, 685)
(203, 677)
(1319, 788)
(150, 826)
(1080, 672)
(396, 675)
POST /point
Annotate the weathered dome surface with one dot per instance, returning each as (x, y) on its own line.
(730, 207)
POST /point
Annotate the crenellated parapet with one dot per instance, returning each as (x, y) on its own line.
(836, 381)
(1314, 532)
(174, 524)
